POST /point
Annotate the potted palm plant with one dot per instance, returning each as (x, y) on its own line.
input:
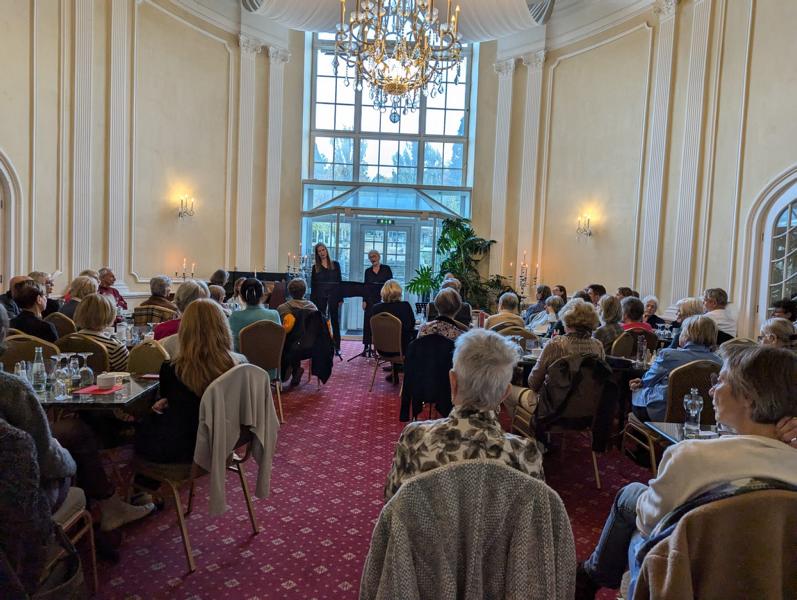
(424, 284)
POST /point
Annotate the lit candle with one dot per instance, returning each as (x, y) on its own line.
(192, 269)
(342, 12)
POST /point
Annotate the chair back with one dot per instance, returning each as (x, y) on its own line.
(514, 330)
(63, 324)
(426, 366)
(262, 343)
(152, 314)
(626, 344)
(11, 331)
(75, 342)
(478, 317)
(23, 347)
(696, 374)
(386, 334)
(147, 357)
(422, 525)
(708, 545)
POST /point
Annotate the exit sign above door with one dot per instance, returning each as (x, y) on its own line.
(385, 221)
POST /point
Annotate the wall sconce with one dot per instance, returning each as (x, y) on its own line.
(186, 207)
(584, 230)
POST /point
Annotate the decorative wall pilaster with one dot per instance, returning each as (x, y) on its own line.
(528, 179)
(657, 150)
(246, 148)
(119, 140)
(505, 70)
(82, 127)
(278, 57)
(687, 220)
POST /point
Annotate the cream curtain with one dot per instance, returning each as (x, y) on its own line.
(481, 20)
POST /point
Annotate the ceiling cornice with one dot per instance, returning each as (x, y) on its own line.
(230, 16)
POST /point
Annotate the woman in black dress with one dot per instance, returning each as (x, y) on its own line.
(325, 273)
(375, 277)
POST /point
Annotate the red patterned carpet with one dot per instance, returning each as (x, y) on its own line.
(332, 457)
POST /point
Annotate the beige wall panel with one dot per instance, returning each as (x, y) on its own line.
(487, 99)
(259, 165)
(99, 98)
(291, 184)
(598, 107)
(180, 128)
(509, 268)
(45, 224)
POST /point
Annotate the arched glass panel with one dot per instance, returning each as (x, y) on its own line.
(783, 255)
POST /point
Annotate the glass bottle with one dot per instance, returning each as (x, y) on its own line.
(693, 405)
(641, 350)
(38, 374)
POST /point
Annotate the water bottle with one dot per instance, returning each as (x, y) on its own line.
(693, 405)
(20, 370)
(38, 374)
(641, 350)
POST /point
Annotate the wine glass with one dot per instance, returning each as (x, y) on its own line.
(86, 374)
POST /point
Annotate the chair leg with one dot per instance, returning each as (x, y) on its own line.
(247, 497)
(373, 379)
(92, 549)
(595, 467)
(178, 505)
(278, 387)
(190, 505)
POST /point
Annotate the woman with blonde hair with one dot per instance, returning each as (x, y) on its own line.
(168, 434)
(779, 332)
(80, 287)
(401, 309)
(685, 307)
(93, 316)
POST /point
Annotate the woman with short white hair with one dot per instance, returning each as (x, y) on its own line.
(480, 380)
(779, 332)
(651, 307)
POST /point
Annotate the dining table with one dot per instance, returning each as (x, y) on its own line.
(674, 432)
(134, 396)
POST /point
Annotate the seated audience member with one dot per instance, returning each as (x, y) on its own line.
(217, 294)
(715, 303)
(633, 310)
(785, 309)
(463, 315)
(779, 332)
(7, 299)
(697, 340)
(168, 433)
(220, 277)
(297, 288)
(651, 307)
(46, 281)
(544, 323)
(595, 291)
(610, 313)
(252, 291)
(107, 279)
(392, 303)
(561, 291)
(65, 453)
(85, 273)
(582, 295)
(93, 316)
(580, 319)
(480, 380)
(160, 288)
(755, 391)
(623, 292)
(543, 293)
(507, 315)
(80, 287)
(685, 308)
(31, 300)
(235, 300)
(190, 290)
(447, 304)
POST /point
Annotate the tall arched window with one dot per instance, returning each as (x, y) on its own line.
(782, 263)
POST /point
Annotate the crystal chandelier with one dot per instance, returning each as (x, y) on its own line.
(400, 48)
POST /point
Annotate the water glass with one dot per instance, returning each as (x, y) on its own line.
(60, 389)
(693, 405)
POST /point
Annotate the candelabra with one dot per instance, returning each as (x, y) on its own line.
(584, 230)
(186, 207)
(523, 279)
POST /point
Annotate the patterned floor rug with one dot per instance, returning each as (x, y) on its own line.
(333, 453)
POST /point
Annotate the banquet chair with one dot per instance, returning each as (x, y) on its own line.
(262, 342)
(23, 347)
(696, 374)
(142, 315)
(147, 357)
(386, 338)
(178, 475)
(75, 342)
(76, 523)
(518, 331)
(478, 317)
(11, 331)
(63, 324)
(626, 345)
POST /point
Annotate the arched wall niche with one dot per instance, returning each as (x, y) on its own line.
(10, 200)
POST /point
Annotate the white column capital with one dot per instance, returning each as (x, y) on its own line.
(665, 8)
(250, 45)
(505, 68)
(278, 56)
(534, 60)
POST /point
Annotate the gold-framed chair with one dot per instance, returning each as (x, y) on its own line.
(75, 342)
(147, 357)
(76, 523)
(262, 342)
(11, 331)
(63, 324)
(626, 344)
(695, 374)
(23, 347)
(515, 330)
(142, 315)
(386, 339)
